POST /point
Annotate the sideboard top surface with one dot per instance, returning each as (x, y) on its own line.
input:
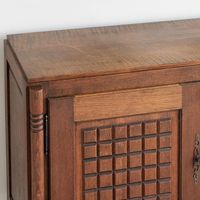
(75, 53)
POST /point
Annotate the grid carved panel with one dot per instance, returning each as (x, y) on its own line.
(129, 161)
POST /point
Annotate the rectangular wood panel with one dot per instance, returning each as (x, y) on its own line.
(127, 102)
(129, 158)
(190, 129)
(61, 158)
(90, 52)
(18, 138)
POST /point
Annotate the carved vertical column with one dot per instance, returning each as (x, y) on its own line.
(37, 143)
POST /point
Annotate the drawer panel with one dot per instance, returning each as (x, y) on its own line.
(128, 158)
(127, 102)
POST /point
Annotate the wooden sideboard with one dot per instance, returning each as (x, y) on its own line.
(108, 113)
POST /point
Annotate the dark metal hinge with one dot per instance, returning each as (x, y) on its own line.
(46, 134)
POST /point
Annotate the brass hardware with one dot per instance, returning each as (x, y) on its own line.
(196, 160)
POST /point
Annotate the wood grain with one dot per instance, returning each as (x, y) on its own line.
(62, 168)
(37, 143)
(190, 127)
(114, 96)
(18, 142)
(15, 68)
(128, 169)
(107, 50)
(128, 102)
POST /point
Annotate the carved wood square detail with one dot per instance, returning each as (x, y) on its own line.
(130, 160)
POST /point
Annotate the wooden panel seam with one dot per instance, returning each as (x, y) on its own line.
(127, 102)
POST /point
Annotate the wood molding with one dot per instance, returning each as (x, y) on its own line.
(127, 102)
(124, 81)
(37, 143)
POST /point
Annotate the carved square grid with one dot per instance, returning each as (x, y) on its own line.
(130, 161)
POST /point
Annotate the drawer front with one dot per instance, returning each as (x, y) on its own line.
(129, 158)
(127, 102)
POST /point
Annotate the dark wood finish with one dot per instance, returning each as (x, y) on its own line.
(107, 50)
(122, 105)
(37, 143)
(190, 127)
(122, 81)
(61, 149)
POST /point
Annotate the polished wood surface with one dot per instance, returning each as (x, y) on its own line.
(18, 142)
(122, 81)
(15, 68)
(127, 102)
(108, 50)
(190, 128)
(103, 113)
(37, 143)
(129, 157)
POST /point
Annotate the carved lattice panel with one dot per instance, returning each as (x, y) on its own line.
(130, 158)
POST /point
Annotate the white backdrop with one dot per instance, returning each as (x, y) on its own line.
(35, 15)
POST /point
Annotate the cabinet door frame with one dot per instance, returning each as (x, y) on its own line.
(64, 116)
(61, 149)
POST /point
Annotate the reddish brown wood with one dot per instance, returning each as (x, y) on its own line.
(190, 127)
(62, 167)
(123, 81)
(96, 84)
(18, 138)
(15, 67)
(132, 161)
(37, 143)
(107, 50)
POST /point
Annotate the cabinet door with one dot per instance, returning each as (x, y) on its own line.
(120, 145)
(190, 184)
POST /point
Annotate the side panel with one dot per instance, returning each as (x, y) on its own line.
(18, 169)
(18, 141)
(61, 160)
(190, 128)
